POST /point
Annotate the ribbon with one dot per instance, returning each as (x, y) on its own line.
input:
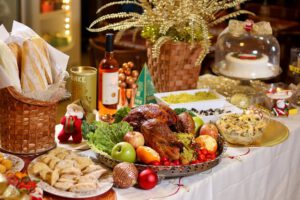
(238, 157)
(179, 186)
(237, 28)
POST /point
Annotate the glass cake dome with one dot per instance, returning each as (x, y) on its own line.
(246, 56)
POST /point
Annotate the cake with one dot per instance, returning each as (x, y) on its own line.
(246, 66)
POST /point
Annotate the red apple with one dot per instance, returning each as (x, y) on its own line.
(134, 138)
(207, 142)
(209, 129)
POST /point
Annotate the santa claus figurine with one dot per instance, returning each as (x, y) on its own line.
(72, 124)
(280, 107)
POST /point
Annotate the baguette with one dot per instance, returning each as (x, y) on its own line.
(17, 51)
(41, 47)
(9, 64)
(33, 75)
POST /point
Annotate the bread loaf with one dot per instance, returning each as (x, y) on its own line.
(9, 64)
(35, 68)
(17, 51)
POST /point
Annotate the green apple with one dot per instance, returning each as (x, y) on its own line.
(198, 123)
(123, 151)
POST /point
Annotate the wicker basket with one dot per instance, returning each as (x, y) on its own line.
(175, 67)
(27, 126)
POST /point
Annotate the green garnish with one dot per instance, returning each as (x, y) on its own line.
(188, 153)
(181, 110)
(106, 136)
(121, 113)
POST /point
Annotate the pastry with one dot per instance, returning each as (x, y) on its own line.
(91, 168)
(44, 174)
(71, 170)
(96, 174)
(83, 162)
(83, 187)
(68, 171)
(63, 185)
(53, 162)
(39, 166)
(54, 177)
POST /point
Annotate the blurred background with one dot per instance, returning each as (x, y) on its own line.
(63, 24)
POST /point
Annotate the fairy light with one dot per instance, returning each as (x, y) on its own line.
(67, 19)
(67, 25)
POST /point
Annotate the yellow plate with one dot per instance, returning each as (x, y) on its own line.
(275, 133)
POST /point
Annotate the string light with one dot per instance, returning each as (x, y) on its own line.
(66, 6)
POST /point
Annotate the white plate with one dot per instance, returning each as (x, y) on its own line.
(105, 184)
(17, 163)
(205, 103)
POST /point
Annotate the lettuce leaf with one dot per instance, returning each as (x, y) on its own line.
(106, 136)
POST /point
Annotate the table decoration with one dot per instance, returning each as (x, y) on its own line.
(127, 84)
(177, 34)
(146, 90)
(70, 145)
(72, 124)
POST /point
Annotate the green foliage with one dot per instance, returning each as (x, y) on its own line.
(181, 110)
(107, 135)
(121, 113)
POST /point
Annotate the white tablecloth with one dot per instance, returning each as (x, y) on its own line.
(266, 173)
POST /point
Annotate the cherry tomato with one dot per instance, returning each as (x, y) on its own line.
(163, 159)
(176, 162)
(193, 162)
(156, 163)
(166, 163)
(204, 151)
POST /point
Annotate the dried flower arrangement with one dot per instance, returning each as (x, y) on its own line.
(171, 20)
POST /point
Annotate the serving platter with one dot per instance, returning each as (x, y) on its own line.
(168, 171)
(105, 184)
(17, 162)
(205, 103)
(275, 133)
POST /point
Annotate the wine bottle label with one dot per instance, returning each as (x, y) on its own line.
(110, 88)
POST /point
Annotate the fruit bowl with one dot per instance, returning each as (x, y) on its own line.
(169, 171)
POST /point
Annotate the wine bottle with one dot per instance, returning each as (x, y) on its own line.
(108, 80)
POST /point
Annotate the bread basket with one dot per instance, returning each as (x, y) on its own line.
(27, 126)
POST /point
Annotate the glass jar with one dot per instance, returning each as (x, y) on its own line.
(246, 55)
